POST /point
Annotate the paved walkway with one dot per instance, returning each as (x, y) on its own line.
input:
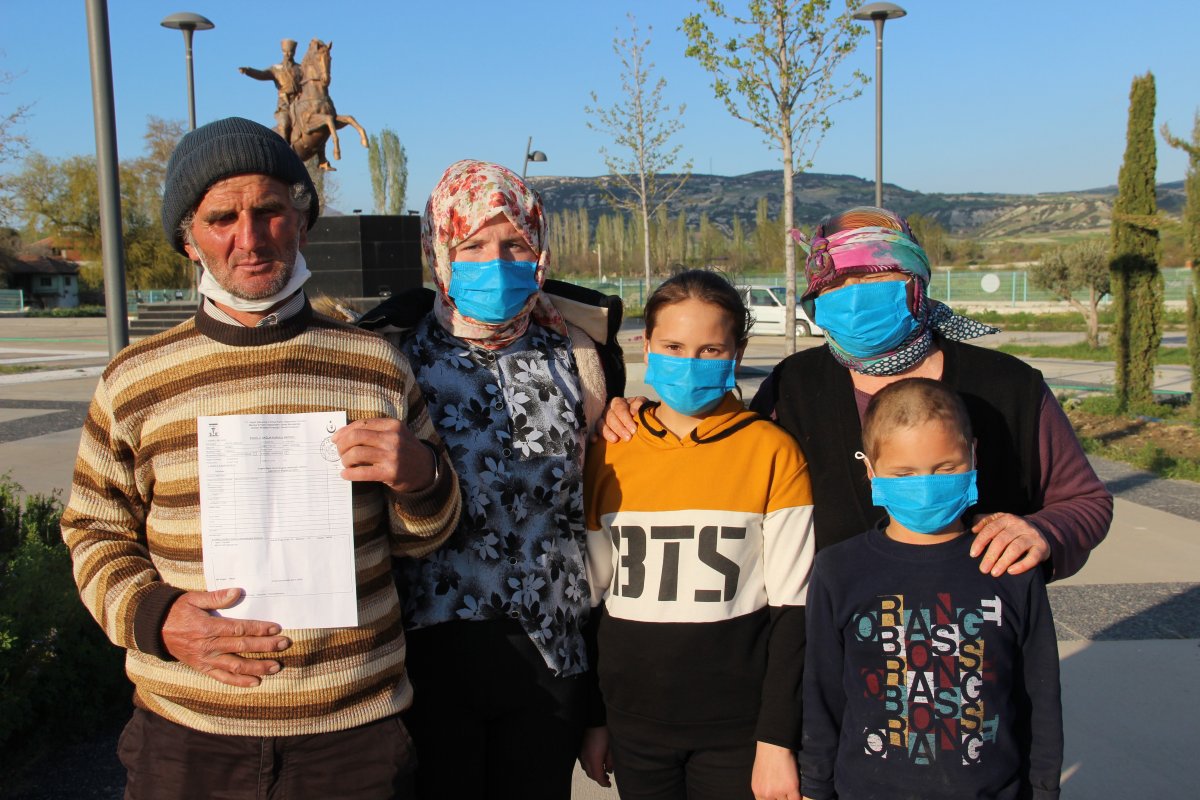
(1128, 624)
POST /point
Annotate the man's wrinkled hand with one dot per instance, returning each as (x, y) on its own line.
(386, 451)
(211, 644)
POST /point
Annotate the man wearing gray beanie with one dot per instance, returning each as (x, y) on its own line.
(224, 705)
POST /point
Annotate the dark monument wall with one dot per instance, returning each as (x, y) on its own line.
(364, 255)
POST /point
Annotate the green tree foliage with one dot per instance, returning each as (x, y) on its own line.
(1193, 337)
(932, 236)
(59, 197)
(59, 676)
(1136, 282)
(710, 244)
(1079, 274)
(388, 164)
(768, 235)
(150, 260)
(1191, 230)
(641, 126)
(328, 188)
(738, 246)
(571, 242)
(774, 67)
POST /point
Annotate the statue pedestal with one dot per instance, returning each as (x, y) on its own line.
(364, 255)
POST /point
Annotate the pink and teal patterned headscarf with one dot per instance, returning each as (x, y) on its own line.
(865, 240)
(470, 194)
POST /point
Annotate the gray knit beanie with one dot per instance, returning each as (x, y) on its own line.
(222, 149)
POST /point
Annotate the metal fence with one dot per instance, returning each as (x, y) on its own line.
(132, 298)
(12, 300)
(1000, 287)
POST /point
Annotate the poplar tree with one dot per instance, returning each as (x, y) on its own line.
(738, 245)
(774, 65)
(1191, 233)
(1136, 282)
(388, 165)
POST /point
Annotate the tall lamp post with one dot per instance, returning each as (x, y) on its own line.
(879, 13)
(187, 22)
(531, 155)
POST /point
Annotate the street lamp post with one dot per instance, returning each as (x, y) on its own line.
(879, 13)
(107, 176)
(187, 22)
(531, 155)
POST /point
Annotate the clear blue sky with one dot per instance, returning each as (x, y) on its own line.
(1022, 96)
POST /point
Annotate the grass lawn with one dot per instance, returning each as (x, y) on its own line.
(1061, 320)
(1080, 351)
(17, 369)
(1156, 437)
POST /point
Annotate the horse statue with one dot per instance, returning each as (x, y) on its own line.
(314, 119)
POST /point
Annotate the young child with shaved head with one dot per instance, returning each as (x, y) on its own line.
(926, 679)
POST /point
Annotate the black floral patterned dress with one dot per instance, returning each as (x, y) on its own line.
(513, 421)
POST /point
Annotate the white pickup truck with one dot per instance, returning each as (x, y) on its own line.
(766, 304)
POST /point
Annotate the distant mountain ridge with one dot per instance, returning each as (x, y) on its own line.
(975, 214)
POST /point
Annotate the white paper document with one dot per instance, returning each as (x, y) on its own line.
(277, 519)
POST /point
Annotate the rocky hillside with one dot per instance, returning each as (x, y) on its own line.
(817, 195)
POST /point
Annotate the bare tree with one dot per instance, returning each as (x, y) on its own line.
(774, 67)
(641, 124)
(13, 146)
(1080, 269)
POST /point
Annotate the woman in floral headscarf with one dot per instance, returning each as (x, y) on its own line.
(1040, 502)
(497, 618)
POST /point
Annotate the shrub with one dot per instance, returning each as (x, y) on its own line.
(79, 311)
(60, 677)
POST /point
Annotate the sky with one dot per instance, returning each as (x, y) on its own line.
(1025, 96)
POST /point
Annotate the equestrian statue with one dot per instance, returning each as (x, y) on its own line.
(304, 113)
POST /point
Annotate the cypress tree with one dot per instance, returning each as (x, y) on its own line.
(1191, 232)
(1136, 281)
(1193, 326)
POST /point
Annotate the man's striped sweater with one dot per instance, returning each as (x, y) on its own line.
(133, 521)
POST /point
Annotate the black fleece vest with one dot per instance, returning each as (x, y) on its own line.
(814, 401)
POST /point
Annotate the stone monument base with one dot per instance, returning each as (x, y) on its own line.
(364, 255)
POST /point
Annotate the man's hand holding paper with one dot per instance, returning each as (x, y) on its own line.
(211, 644)
(385, 450)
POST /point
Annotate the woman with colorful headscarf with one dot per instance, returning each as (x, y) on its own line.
(1040, 501)
(496, 619)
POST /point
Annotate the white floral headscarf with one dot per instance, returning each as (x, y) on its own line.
(470, 194)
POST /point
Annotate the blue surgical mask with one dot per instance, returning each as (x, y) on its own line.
(491, 291)
(691, 386)
(926, 503)
(866, 319)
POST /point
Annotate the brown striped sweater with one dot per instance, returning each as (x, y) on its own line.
(133, 521)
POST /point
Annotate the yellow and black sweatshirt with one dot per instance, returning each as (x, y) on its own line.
(700, 549)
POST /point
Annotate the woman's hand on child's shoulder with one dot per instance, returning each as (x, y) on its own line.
(619, 423)
(1012, 543)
